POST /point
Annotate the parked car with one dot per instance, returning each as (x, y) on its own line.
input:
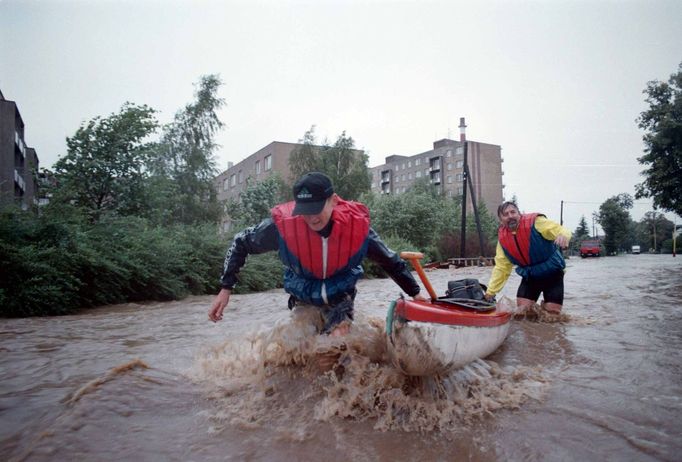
(590, 249)
(635, 249)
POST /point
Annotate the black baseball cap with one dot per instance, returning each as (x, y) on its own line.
(311, 192)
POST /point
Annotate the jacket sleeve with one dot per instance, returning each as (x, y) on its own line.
(501, 271)
(392, 264)
(549, 229)
(261, 238)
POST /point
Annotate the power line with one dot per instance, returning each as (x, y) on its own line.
(578, 202)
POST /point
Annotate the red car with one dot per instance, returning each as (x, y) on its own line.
(590, 249)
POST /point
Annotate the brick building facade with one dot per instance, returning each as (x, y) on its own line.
(18, 162)
(444, 167)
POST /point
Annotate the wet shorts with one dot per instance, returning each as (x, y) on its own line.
(551, 287)
(331, 315)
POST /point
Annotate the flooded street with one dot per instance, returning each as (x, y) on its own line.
(160, 382)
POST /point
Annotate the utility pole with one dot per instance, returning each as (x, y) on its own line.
(594, 231)
(463, 226)
(466, 179)
(561, 219)
(654, 230)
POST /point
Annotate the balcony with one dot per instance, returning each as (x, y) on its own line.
(19, 180)
(20, 144)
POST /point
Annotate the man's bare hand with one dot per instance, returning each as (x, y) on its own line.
(561, 241)
(419, 298)
(489, 297)
(215, 313)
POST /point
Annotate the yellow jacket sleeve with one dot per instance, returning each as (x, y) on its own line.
(550, 230)
(501, 271)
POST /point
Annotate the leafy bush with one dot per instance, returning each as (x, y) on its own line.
(55, 264)
(395, 243)
(261, 272)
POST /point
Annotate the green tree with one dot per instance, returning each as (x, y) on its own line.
(581, 233)
(306, 157)
(256, 201)
(185, 161)
(654, 228)
(103, 169)
(345, 165)
(614, 219)
(415, 217)
(663, 144)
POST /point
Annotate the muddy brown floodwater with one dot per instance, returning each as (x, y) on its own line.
(160, 382)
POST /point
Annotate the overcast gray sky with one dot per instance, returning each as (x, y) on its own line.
(557, 84)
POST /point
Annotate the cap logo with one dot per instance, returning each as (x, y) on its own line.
(304, 194)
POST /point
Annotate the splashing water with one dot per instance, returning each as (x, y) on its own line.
(274, 376)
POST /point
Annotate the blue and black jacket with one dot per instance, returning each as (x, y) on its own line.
(321, 268)
(533, 255)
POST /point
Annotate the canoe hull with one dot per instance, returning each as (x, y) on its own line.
(421, 348)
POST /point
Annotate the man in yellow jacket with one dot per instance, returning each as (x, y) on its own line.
(532, 243)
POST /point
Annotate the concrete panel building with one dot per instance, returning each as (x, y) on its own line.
(18, 162)
(270, 159)
(443, 166)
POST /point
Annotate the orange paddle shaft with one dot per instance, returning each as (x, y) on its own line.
(414, 258)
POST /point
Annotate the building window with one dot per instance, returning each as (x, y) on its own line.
(458, 177)
(459, 164)
(257, 167)
(448, 153)
(233, 180)
(459, 190)
(417, 162)
(449, 178)
(418, 174)
(450, 193)
(459, 150)
(426, 171)
(268, 162)
(409, 164)
(449, 166)
(240, 177)
(402, 177)
(397, 167)
(226, 183)
(402, 167)
(409, 176)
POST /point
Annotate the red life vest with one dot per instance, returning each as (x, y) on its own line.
(303, 250)
(517, 245)
(533, 255)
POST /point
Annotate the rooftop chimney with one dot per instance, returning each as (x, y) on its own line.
(462, 129)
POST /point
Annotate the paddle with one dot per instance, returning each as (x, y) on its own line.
(414, 258)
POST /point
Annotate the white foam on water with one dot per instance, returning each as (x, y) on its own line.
(275, 376)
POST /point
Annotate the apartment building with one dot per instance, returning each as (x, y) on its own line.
(18, 162)
(443, 166)
(272, 158)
